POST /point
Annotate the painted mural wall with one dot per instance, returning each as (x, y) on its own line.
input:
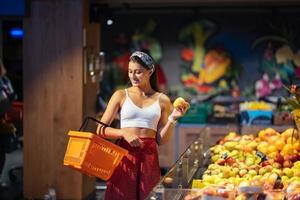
(252, 51)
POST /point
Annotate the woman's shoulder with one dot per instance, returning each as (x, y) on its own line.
(164, 98)
(120, 91)
(119, 94)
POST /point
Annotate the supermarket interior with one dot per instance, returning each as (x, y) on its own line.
(235, 62)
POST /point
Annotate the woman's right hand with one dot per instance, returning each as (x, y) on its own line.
(133, 140)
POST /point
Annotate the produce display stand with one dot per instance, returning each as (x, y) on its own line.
(176, 183)
(179, 181)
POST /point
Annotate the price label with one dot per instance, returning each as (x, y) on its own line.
(278, 184)
(224, 155)
(262, 156)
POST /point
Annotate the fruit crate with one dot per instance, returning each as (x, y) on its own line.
(197, 114)
(92, 155)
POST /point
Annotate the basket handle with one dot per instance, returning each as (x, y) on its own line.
(86, 120)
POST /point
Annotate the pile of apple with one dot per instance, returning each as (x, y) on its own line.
(270, 160)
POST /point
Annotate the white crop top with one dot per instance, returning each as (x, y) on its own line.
(133, 116)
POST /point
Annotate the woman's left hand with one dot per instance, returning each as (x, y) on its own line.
(179, 112)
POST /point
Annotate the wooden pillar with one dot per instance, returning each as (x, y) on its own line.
(53, 96)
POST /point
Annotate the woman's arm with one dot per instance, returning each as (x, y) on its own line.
(111, 111)
(165, 127)
(166, 123)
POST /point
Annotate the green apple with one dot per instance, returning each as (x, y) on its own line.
(262, 171)
(288, 172)
(242, 172)
(252, 172)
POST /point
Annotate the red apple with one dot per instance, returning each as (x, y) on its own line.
(221, 161)
(287, 164)
(265, 163)
(294, 157)
(254, 167)
(286, 157)
(230, 160)
(279, 158)
(277, 165)
(210, 191)
(223, 193)
(268, 186)
(294, 197)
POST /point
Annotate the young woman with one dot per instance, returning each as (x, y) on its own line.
(146, 119)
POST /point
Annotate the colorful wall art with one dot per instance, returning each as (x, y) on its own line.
(213, 51)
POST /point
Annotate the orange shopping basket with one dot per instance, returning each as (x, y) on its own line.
(91, 154)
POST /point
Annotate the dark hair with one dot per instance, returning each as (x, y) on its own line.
(153, 77)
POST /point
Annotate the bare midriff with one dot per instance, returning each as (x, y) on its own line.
(141, 132)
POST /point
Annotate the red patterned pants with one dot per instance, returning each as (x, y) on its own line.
(137, 173)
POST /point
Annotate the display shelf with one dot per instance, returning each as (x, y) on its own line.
(177, 182)
(195, 159)
(185, 134)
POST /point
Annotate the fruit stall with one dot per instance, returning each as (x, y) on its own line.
(262, 165)
(222, 116)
